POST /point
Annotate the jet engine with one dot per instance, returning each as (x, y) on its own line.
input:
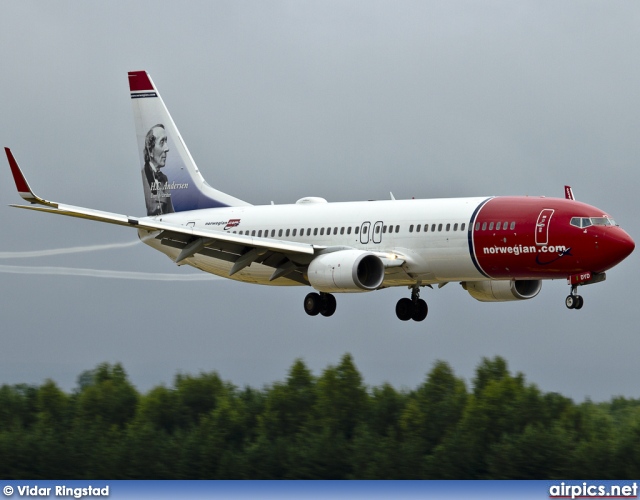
(346, 271)
(502, 291)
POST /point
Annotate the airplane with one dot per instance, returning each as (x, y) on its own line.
(499, 248)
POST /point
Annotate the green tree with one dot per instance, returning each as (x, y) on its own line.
(341, 398)
(110, 397)
(198, 395)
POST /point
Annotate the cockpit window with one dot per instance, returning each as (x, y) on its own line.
(601, 221)
(592, 221)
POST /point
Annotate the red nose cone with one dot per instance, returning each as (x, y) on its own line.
(619, 246)
(627, 246)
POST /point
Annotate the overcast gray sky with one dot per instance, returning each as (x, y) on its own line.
(345, 100)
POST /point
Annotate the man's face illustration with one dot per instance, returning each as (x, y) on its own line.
(160, 149)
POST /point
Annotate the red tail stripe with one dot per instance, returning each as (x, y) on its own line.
(139, 80)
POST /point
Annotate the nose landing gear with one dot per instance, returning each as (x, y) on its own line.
(573, 300)
(414, 308)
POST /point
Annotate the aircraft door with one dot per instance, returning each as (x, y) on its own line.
(542, 226)
(376, 232)
(364, 232)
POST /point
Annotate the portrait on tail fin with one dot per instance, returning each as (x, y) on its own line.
(157, 194)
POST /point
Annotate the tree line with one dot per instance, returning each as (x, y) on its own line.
(330, 426)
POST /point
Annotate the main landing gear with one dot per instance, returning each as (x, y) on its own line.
(319, 303)
(573, 300)
(414, 308)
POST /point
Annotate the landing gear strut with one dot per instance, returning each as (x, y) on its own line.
(319, 303)
(414, 308)
(573, 300)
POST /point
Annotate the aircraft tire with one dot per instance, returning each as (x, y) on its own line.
(570, 302)
(328, 304)
(404, 309)
(420, 311)
(312, 304)
(579, 302)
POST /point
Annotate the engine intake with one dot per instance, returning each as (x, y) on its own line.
(502, 291)
(346, 271)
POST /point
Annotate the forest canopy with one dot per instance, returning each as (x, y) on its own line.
(330, 426)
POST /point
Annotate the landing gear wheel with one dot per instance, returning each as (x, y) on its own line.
(312, 304)
(579, 302)
(570, 302)
(404, 309)
(420, 311)
(328, 304)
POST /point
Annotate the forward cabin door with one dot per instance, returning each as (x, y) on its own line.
(542, 226)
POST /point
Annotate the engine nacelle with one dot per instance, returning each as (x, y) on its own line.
(346, 271)
(502, 291)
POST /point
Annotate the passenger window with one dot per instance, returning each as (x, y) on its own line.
(280, 232)
(321, 231)
(356, 229)
(335, 230)
(315, 231)
(426, 227)
(294, 232)
(484, 226)
(448, 227)
(477, 226)
(462, 226)
(513, 225)
(288, 231)
(384, 229)
(439, 227)
(328, 231)
(455, 227)
(433, 228)
(491, 226)
(308, 231)
(397, 229)
(505, 225)
(349, 230)
(411, 228)
(342, 230)
(418, 228)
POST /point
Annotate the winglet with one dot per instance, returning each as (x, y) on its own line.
(22, 185)
(568, 193)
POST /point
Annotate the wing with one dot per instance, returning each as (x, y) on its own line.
(288, 258)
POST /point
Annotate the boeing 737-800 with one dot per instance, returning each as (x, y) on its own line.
(497, 248)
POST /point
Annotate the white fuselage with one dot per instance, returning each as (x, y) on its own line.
(433, 256)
